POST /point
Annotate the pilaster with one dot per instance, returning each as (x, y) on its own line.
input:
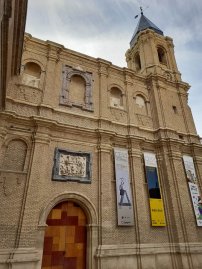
(53, 57)
(35, 192)
(103, 85)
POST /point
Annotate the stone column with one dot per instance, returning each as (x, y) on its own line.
(178, 194)
(106, 191)
(37, 177)
(3, 133)
(103, 88)
(137, 183)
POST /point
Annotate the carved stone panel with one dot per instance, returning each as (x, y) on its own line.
(25, 93)
(30, 80)
(168, 76)
(118, 114)
(10, 182)
(71, 165)
(144, 120)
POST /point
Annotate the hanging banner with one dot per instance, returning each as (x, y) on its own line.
(155, 200)
(123, 190)
(193, 188)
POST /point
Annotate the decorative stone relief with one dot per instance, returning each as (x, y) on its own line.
(70, 165)
(117, 113)
(168, 75)
(28, 94)
(11, 182)
(15, 155)
(144, 120)
(67, 73)
(30, 80)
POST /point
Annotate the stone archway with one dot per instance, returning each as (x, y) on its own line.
(91, 227)
(65, 239)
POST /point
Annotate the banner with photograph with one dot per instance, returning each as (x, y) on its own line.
(123, 189)
(155, 200)
(193, 188)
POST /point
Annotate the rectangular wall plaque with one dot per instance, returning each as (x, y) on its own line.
(193, 188)
(155, 200)
(123, 189)
(72, 165)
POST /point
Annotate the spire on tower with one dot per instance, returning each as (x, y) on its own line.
(143, 24)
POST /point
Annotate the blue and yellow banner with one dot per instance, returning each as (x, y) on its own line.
(155, 200)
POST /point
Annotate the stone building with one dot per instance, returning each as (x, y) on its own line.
(12, 20)
(101, 166)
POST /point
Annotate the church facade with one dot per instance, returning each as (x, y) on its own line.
(101, 166)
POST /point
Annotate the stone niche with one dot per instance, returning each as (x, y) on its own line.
(72, 166)
(77, 87)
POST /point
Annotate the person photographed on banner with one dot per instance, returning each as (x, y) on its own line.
(123, 194)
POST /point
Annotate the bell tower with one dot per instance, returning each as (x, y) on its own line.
(151, 52)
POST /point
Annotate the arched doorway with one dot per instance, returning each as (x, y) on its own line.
(65, 238)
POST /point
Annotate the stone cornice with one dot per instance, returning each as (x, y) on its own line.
(177, 84)
(166, 137)
(146, 249)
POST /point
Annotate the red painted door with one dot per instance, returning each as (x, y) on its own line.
(65, 238)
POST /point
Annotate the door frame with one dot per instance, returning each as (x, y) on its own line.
(92, 224)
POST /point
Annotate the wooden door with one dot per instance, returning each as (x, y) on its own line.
(65, 238)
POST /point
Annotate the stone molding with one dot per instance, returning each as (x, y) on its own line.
(146, 249)
(68, 72)
(76, 197)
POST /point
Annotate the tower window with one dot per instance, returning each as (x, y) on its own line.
(137, 62)
(162, 55)
(116, 97)
(31, 75)
(175, 109)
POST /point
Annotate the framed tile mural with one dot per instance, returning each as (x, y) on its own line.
(72, 166)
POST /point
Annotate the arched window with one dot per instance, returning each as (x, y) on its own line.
(162, 55)
(14, 158)
(116, 97)
(137, 62)
(31, 74)
(77, 90)
(140, 105)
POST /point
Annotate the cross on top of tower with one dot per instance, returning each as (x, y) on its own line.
(144, 23)
(141, 9)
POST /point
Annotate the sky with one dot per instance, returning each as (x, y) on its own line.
(103, 28)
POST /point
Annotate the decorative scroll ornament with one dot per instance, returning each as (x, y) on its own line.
(168, 75)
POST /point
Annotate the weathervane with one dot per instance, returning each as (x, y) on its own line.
(141, 11)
